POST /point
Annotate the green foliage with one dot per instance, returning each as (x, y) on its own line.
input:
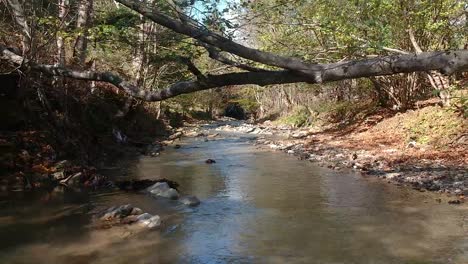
(249, 105)
(432, 125)
(328, 30)
(120, 18)
(299, 117)
(459, 98)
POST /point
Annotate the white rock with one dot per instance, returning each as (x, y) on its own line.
(149, 221)
(392, 175)
(162, 189)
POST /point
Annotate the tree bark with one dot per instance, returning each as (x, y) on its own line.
(63, 6)
(192, 29)
(82, 24)
(20, 18)
(426, 61)
(293, 70)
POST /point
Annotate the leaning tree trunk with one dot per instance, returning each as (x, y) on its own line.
(20, 18)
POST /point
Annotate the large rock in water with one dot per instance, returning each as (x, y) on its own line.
(162, 189)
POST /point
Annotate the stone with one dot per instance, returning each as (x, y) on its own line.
(72, 180)
(411, 144)
(458, 184)
(300, 134)
(190, 200)
(149, 221)
(454, 202)
(136, 211)
(213, 135)
(392, 175)
(194, 134)
(175, 135)
(58, 176)
(118, 212)
(162, 189)
(142, 184)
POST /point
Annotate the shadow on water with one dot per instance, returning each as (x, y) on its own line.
(257, 207)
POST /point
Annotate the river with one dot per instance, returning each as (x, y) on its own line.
(257, 206)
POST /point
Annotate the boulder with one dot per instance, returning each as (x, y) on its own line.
(163, 189)
(190, 200)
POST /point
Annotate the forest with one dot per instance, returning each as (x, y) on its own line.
(115, 98)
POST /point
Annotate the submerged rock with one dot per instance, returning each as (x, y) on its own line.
(138, 185)
(190, 200)
(163, 189)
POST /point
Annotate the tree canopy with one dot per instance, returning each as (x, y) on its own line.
(319, 41)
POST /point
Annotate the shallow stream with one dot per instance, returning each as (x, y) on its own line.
(257, 207)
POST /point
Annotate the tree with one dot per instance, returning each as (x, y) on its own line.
(85, 9)
(275, 69)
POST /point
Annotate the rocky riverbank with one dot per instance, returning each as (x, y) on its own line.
(416, 165)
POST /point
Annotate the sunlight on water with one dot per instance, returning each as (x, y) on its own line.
(257, 207)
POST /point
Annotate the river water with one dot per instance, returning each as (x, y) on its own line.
(257, 207)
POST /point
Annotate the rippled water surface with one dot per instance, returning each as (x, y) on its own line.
(257, 207)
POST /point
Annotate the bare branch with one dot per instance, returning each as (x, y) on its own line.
(447, 62)
(216, 55)
(216, 40)
(192, 68)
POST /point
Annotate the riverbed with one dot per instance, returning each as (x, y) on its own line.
(257, 206)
